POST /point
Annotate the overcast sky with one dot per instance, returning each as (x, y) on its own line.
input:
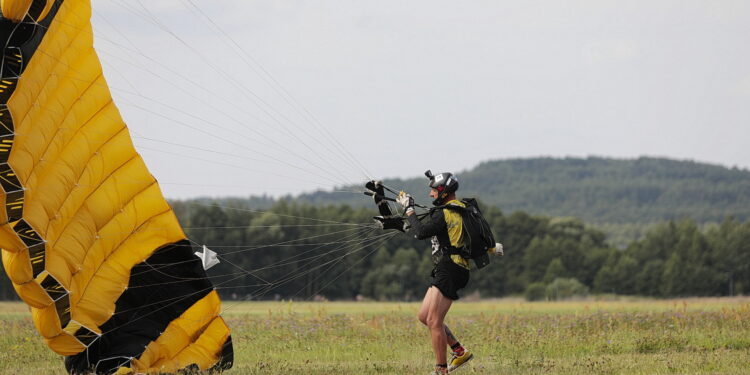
(240, 97)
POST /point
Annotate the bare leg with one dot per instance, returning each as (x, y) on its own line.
(432, 314)
(452, 340)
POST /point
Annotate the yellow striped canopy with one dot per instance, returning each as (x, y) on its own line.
(87, 237)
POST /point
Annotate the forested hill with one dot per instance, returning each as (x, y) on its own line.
(598, 190)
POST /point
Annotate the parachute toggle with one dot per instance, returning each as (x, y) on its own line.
(387, 219)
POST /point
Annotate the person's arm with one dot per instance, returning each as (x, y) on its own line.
(431, 226)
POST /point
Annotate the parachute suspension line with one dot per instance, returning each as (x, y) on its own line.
(192, 147)
(277, 144)
(290, 243)
(218, 110)
(178, 279)
(206, 150)
(272, 226)
(245, 271)
(236, 106)
(371, 241)
(270, 212)
(207, 161)
(340, 274)
(126, 360)
(370, 237)
(122, 76)
(223, 164)
(203, 120)
(374, 249)
(280, 263)
(368, 241)
(112, 26)
(256, 99)
(218, 286)
(123, 36)
(334, 138)
(249, 248)
(380, 240)
(345, 240)
(202, 100)
(342, 245)
(198, 130)
(136, 181)
(294, 178)
(281, 90)
(292, 259)
(223, 256)
(267, 188)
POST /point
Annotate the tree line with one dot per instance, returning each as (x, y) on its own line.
(300, 251)
(624, 197)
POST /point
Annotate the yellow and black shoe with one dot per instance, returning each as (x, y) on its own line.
(459, 360)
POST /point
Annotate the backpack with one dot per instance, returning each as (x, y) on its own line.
(478, 236)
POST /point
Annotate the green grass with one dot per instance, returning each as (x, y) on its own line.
(626, 336)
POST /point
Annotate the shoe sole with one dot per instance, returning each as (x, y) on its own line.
(471, 356)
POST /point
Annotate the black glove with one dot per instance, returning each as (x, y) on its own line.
(396, 223)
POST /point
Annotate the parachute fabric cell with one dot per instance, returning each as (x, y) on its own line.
(16, 10)
(87, 238)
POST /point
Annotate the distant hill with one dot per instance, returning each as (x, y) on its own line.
(598, 190)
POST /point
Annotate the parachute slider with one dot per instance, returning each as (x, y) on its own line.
(208, 257)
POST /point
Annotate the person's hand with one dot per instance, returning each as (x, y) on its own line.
(497, 250)
(396, 223)
(406, 201)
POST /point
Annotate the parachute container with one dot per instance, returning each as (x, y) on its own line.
(87, 237)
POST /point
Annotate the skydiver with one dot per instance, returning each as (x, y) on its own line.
(451, 271)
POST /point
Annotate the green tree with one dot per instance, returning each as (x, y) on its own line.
(731, 256)
(616, 276)
(648, 280)
(555, 270)
(535, 291)
(565, 288)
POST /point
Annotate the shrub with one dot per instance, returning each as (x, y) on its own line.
(561, 288)
(535, 292)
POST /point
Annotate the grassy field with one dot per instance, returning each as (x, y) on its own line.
(627, 336)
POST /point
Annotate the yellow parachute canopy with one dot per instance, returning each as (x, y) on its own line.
(16, 11)
(87, 238)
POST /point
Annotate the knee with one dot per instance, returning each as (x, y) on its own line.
(422, 318)
(433, 322)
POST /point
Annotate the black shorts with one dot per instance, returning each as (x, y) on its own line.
(449, 277)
